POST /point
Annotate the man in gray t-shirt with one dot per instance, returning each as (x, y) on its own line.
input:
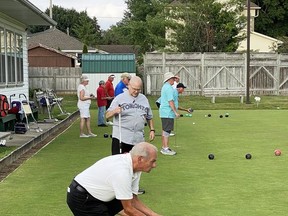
(135, 111)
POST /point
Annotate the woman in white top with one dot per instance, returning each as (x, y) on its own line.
(84, 101)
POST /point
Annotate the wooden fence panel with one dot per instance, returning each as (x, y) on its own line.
(60, 79)
(219, 73)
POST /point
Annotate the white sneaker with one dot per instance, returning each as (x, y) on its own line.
(109, 123)
(83, 135)
(171, 134)
(167, 151)
(92, 135)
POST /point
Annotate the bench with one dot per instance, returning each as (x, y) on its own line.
(7, 122)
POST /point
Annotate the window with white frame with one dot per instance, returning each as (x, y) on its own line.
(2, 58)
(11, 58)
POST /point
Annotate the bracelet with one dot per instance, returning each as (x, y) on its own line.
(152, 130)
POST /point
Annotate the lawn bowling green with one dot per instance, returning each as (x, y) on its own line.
(230, 178)
(183, 185)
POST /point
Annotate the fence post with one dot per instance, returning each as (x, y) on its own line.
(277, 84)
(201, 73)
(54, 82)
(213, 99)
(241, 99)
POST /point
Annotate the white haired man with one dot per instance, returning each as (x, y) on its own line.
(111, 184)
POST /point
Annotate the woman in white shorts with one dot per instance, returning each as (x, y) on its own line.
(84, 101)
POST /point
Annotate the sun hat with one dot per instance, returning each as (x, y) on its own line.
(84, 78)
(168, 76)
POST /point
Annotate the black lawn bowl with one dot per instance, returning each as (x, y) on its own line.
(181, 115)
(221, 116)
(146, 124)
(190, 110)
(226, 115)
(248, 156)
(211, 157)
(209, 115)
(106, 135)
(111, 136)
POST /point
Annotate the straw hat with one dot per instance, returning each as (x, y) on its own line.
(168, 76)
(84, 78)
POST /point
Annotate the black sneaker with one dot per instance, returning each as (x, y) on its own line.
(141, 191)
(102, 125)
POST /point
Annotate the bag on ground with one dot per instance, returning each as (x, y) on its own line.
(4, 105)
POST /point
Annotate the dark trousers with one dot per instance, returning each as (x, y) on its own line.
(82, 203)
(116, 147)
(108, 104)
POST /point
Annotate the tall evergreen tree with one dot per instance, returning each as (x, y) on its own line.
(86, 30)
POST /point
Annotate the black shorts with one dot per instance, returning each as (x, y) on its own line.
(116, 147)
(167, 124)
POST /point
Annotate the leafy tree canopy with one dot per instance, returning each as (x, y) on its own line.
(206, 26)
(79, 24)
(273, 18)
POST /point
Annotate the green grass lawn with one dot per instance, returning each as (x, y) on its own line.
(183, 185)
(4, 151)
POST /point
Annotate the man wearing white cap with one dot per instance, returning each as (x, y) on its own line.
(167, 111)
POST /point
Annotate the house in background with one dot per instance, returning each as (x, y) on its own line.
(61, 41)
(119, 49)
(15, 17)
(40, 55)
(258, 41)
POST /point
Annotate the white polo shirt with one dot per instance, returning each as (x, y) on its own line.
(111, 177)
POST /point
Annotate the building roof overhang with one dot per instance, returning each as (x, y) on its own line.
(25, 12)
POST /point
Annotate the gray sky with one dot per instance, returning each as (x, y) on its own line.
(107, 12)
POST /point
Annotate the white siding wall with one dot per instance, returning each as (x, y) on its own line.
(20, 29)
(259, 43)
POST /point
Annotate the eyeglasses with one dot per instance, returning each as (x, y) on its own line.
(135, 89)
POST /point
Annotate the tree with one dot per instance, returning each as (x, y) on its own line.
(206, 26)
(116, 35)
(273, 18)
(143, 25)
(86, 30)
(85, 49)
(139, 9)
(79, 24)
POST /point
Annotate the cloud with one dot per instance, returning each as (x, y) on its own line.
(108, 14)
